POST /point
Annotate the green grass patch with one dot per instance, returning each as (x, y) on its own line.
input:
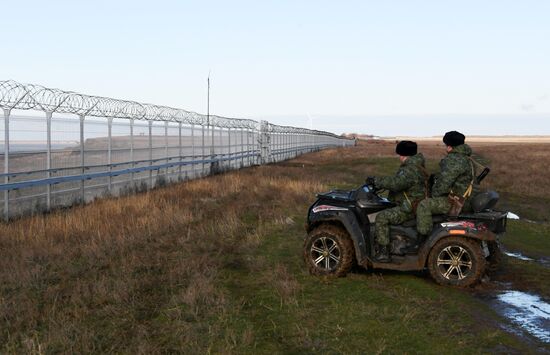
(280, 308)
(530, 238)
(526, 276)
(533, 208)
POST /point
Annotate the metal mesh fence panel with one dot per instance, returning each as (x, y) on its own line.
(76, 148)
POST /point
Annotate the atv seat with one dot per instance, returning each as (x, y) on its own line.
(438, 218)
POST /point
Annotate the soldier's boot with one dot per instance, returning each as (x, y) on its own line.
(383, 255)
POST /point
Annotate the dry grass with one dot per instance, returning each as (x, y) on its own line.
(517, 168)
(107, 272)
(148, 273)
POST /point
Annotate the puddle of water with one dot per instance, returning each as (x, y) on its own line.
(518, 256)
(544, 261)
(527, 311)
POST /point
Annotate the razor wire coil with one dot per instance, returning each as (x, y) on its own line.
(15, 95)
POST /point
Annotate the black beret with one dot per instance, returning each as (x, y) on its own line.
(453, 138)
(406, 148)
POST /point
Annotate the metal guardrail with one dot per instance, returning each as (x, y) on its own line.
(116, 145)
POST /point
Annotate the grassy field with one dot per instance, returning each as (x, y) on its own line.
(214, 266)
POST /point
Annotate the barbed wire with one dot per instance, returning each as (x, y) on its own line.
(14, 95)
(297, 130)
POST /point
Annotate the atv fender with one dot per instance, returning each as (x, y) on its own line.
(347, 220)
(443, 232)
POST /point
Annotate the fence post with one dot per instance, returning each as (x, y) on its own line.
(285, 145)
(192, 149)
(248, 153)
(289, 145)
(150, 153)
(297, 143)
(242, 147)
(275, 146)
(214, 164)
(230, 161)
(166, 175)
(292, 144)
(220, 163)
(82, 161)
(48, 158)
(265, 139)
(132, 150)
(202, 153)
(110, 152)
(180, 149)
(6, 162)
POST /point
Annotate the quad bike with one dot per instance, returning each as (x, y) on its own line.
(340, 227)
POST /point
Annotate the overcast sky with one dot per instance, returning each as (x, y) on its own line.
(383, 67)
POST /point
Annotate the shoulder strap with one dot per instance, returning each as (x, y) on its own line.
(470, 188)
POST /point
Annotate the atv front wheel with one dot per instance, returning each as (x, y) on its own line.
(457, 262)
(328, 250)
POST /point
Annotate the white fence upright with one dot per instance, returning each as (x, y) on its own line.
(6, 162)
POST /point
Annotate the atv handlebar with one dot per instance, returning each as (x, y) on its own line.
(369, 181)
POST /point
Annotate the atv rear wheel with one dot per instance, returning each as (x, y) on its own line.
(457, 262)
(328, 250)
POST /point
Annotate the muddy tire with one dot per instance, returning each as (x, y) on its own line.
(328, 250)
(456, 261)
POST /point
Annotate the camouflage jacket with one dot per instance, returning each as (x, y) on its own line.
(409, 179)
(455, 172)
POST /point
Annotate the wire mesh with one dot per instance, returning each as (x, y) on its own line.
(81, 147)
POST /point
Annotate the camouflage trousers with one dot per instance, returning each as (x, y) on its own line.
(387, 217)
(428, 207)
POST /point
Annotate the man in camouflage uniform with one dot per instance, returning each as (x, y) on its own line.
(455, 178)
(407, 187)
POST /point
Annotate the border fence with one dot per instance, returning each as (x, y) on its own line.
(83, 147)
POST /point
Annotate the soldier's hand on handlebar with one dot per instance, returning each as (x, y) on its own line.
(370, 180)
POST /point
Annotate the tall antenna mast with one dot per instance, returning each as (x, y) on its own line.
(208, 116)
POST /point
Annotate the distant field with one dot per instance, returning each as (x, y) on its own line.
(519, 171)
(488, 139)
(214, 266)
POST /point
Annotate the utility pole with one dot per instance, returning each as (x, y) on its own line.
(208, 101)
(212, 163)
(208, 116)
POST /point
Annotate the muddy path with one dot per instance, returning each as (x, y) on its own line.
(523, 314)
(522, 310)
